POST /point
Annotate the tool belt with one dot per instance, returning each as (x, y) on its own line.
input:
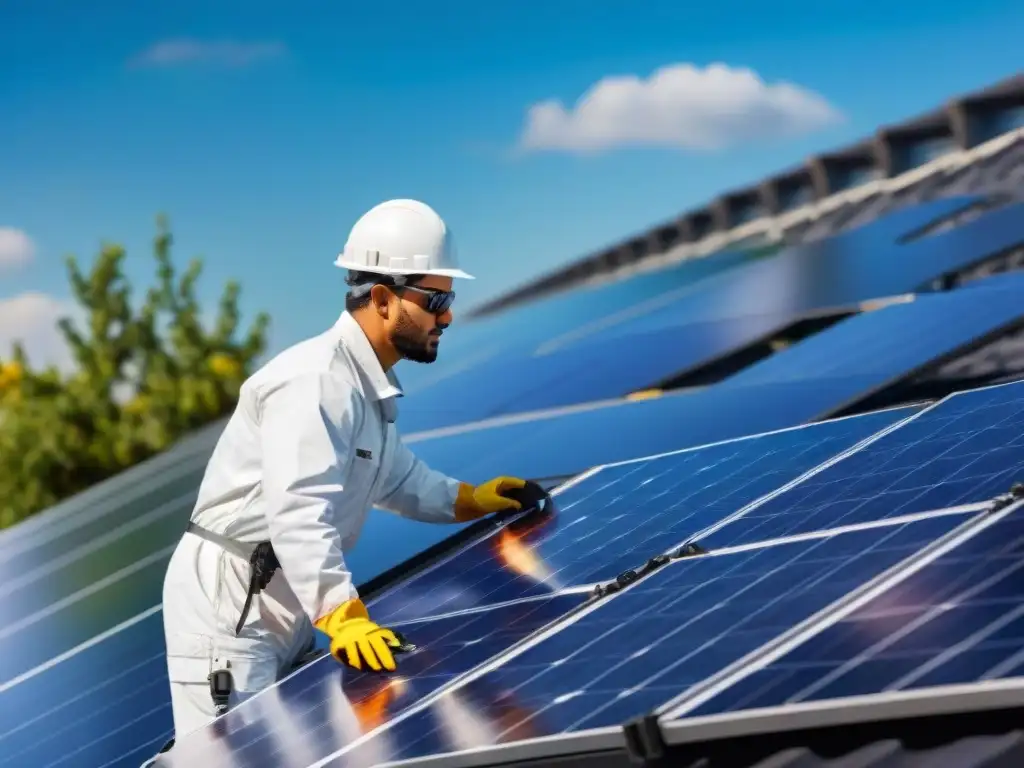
(263, 563)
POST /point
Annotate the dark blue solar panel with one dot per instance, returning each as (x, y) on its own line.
(855, 266)
(522, 329)
(966, 449)
(650, 642)
(960, 619)
(573, 442)
(620, 517)
(107, 705)
(37, 624)
(324, 707)
(594, 370)
(891, 342)
(839, 271)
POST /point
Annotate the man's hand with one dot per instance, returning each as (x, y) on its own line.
(476, 501)
(356, 641)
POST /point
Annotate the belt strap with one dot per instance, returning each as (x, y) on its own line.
(263, 563)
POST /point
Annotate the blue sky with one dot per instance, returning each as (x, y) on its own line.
(277, 124)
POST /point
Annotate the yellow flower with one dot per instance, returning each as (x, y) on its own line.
(224, 366)
(10, 375)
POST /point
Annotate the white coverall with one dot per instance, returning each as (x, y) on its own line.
(309, 449)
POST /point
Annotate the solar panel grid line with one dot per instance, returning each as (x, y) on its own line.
(865, 526)
(578, 589)
(54, 714)
(713, 686)
(544, 746)
(144, 749)
(851, 710)
(72, 652)
(91, 589)
(510, 418)
(746, 438)
(762, 500)
(94, 543)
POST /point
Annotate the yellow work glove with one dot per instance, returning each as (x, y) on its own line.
(355, 639)
(475, 501)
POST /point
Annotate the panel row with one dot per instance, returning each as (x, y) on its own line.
(500, 593)
(966, 449)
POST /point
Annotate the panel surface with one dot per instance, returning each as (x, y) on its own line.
(641, 647)
(966, 449)
(107, 705)
(594, 370)
(620, 517)
(576, 441)
(93, 607)
(960, 619)
(891, 342)
(841, 271)
(324, 707)
(521, 329)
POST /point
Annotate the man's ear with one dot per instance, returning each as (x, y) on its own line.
(380, 298)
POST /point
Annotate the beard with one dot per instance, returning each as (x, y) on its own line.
(411, 342)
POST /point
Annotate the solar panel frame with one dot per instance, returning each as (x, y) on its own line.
(957, 621)
(676, 727)
(872, 708)
(690, 700)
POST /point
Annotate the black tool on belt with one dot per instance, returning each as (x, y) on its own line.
(263, 563)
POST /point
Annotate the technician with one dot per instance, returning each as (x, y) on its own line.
(310, 448)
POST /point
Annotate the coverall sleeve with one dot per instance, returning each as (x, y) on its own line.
(416, 491)
(307, 430)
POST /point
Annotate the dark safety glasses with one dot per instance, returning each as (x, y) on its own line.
(438, 302)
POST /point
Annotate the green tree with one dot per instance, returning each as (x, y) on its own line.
(146, 373)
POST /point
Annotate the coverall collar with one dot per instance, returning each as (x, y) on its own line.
(385, 385)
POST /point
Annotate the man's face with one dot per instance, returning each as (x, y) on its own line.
(416, 332)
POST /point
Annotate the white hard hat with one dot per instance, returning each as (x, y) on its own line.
(401, 237)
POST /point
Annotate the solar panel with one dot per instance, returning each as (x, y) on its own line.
(88, 529)
(619, 517)
(964, 449)
(893, 341)
(623, 656)
(850, 268)
(37, 626)
(571, 442)
(523, 328)
(106, 705)
(324, 707)
(958, 619)
(594, 370)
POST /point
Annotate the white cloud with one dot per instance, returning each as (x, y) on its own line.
(16, 248)
(31, 318)
(229, 53)
(680, 106)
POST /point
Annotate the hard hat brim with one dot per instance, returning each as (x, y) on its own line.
(454, 273)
